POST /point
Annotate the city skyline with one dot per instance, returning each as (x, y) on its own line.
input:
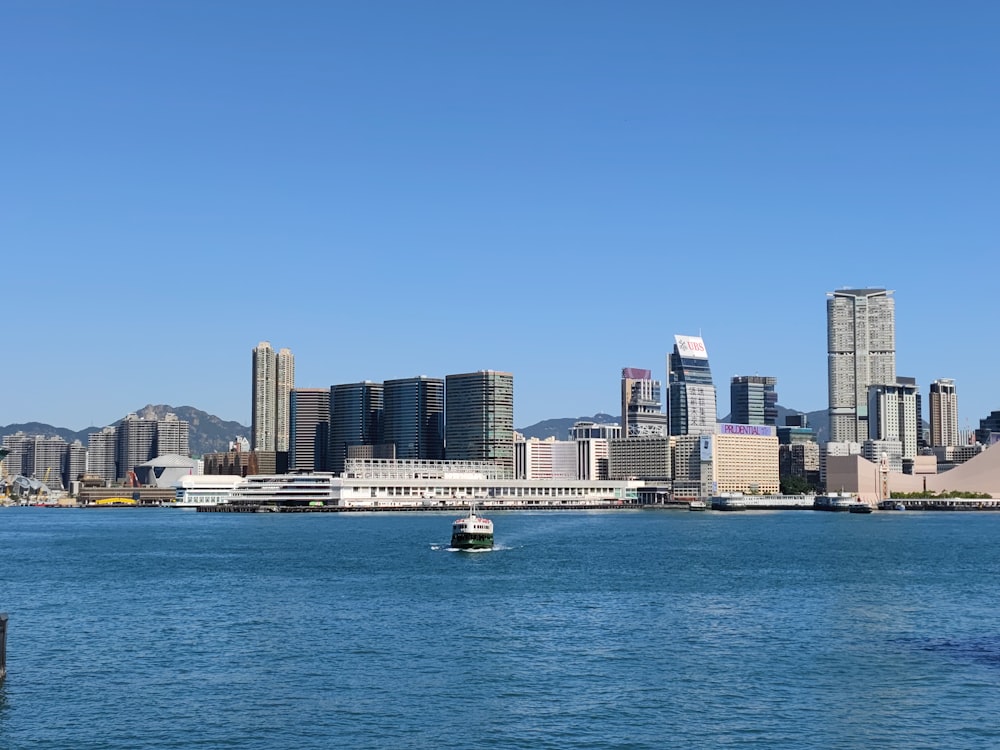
(743, 163)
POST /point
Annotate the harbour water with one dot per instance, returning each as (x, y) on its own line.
(152, 628)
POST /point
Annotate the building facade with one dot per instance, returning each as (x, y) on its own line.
(284, 382)
(102, 449)
(479, 418)
(861, 347)
(753, 400)
(355, 419)
(413, 417)
(892, 415)
(645, 458)
(692, 399)
(944, 413)
(309, 424)
(535, 458)
(642, 404)
(263, 390)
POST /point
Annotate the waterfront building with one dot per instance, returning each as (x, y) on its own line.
(309, 414)
(413, 417)
(76, 463)
(861, 346)
(799, 459)
(646, 458)
(592, 458)
(944, 413)
(692, 399)
(753, 400)
(892, 415)
(642, 405)
(884, 453)
(548, 458)
(479, 418)
(734, 459)
(101, 452)
(356, 411)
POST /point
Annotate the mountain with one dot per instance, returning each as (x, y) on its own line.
(207, 433)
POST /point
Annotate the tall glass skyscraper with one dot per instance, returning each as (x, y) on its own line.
(479, 418)
(753, 400)
(413, 417)
(861, 346)
(309, 410)
(692, 408)
(355, 419)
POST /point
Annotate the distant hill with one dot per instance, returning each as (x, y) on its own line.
(818, 420)
(208, 433)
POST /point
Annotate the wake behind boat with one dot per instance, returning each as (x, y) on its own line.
(472, 532)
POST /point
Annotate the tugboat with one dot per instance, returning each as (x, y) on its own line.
(472, 532)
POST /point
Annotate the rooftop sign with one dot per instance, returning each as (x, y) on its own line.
(691, 346)
(761, 430)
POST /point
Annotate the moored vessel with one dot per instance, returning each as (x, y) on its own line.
(472, 532)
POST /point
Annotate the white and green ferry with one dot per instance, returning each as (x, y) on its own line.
(472, 532)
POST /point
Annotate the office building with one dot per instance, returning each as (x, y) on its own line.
(734, 459)
(646, 458)
(535, 458)
(273, 379)
(642, 404)
(753, 400)
(355, 419)
(479, 418)
(691, 390)
(413, 417)
(592, 441)
(861, 346)
(944, 413)
(309, 426)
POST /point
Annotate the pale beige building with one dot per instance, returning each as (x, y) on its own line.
(736, 458)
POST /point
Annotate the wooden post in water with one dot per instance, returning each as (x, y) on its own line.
(3, 645)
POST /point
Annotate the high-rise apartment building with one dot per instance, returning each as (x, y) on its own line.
(136, 444)
(284, 382)
(413, 417)
(642, 404)
(102, 448)
(892, 415)
(753, 400)
(273, 379)
(692, 392)
(264, 390)
(172, 437)
(861, 346)
(944, 413)
(479, 418)
(309, 413)
(355, 419)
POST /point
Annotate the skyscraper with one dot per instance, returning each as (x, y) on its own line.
(861, 346)
(263, 415)
(944, 413)
(642, 405)
(273, 380)
(892, 415)
(692, 393)
(479, 418)
(753, 400)
(309, 412)
(284, 382)
(413, 417)
(355, 419)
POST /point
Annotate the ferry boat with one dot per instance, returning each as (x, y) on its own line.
(860, 507)
(472, 532)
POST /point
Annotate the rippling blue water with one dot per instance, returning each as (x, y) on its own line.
(136, 628)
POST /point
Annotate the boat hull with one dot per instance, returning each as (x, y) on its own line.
(471, 541)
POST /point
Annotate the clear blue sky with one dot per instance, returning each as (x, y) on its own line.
(549, 188)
